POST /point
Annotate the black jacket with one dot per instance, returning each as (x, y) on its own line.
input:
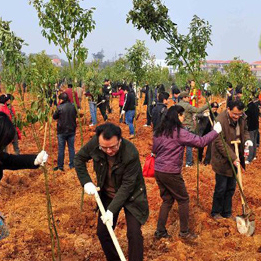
(14, 162)
(158, 113)
(252, 113)
(66, 115)
(129, 101)
(126, 174)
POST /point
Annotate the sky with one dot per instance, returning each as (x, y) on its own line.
(236, 27)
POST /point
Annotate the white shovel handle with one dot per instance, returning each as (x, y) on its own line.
(112, 234)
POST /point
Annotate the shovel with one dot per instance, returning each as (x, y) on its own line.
(245, 222)
(109, 227)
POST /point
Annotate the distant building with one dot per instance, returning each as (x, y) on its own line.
(219, 65)
(256, 69)
(56, 62)
(162, 63)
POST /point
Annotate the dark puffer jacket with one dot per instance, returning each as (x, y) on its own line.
(66, 115)
(158, 113)
(126, 175)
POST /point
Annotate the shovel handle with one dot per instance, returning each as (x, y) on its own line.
(112, 234)
(239, 175)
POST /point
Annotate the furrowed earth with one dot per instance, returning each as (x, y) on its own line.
(23, 201)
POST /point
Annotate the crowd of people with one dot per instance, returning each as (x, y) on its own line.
(177, 128)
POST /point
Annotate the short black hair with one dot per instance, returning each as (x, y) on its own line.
(63, 96)
(162, 96)
(229, 85)
(108, 130)
(236, 103)
(239, 88)
(10, 97)
(214, 105)
(70, 85)
(3, 99)
(7, 131)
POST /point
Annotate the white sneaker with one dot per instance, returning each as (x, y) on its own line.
(91, 125)
(188, 166)
(145, 125)
(254, 158)
(247, 162)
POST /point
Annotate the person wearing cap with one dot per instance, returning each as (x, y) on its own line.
(65, 115)
(188, 123)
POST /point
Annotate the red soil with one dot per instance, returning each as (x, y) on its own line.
(23, 202)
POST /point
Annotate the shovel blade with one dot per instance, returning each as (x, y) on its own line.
(244, 226)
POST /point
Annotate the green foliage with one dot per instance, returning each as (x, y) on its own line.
(185, 51)
(239, 73)
(137, 57)
(40, 72)
(66, 24)
(93, 79)
(11, 56)
(218, 83)
(117, 71)
(156, 75)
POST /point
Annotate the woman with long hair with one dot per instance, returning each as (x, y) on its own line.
(169, 141)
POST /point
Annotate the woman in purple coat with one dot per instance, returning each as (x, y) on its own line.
(169, 141)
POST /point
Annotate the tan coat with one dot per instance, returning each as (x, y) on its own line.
(219, 159)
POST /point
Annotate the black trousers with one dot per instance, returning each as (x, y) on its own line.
(134, 235)
(102, 108)
(149, 114)
(222, 200)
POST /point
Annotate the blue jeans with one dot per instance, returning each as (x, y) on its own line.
(222, 200)
(93, 111)
(129, 120)
(189, 156)
(62, 138)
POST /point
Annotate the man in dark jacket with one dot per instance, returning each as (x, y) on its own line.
(234, 127)
(160, 110)
(66, 126)
(119, 177)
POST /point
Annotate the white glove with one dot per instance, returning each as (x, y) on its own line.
(248, 143)
(110, 92)
(217, 127)
(153, 103)
(122, 112)
(103, 101)
(107, 217)
(41, 158)
(90, 188)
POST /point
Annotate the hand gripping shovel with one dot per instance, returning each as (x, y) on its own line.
(245, 222)
(109, 227)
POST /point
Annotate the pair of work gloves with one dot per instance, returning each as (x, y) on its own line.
(91, 189)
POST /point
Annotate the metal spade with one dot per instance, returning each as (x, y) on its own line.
(245, 222)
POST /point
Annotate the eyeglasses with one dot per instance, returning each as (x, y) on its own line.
(113, 148)
(236, 114)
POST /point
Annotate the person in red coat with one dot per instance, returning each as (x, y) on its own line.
(121, 100)
(69, 92)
